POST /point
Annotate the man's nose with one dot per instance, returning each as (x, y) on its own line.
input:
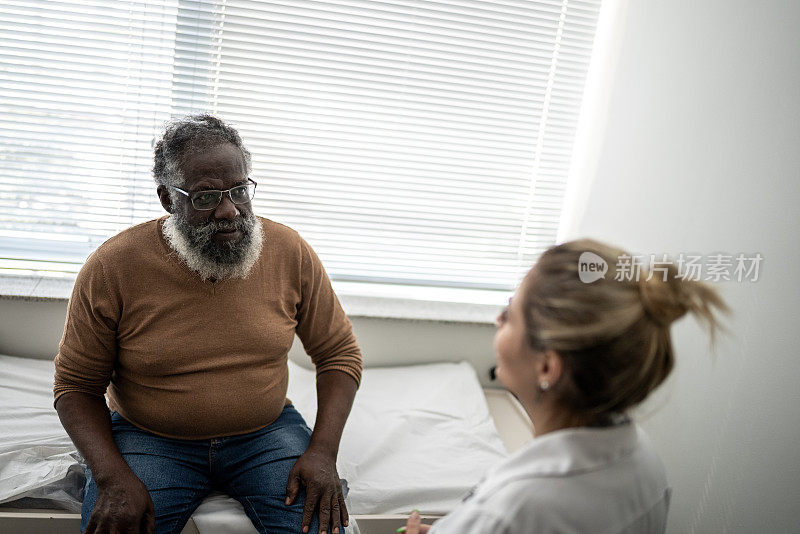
(226, 209)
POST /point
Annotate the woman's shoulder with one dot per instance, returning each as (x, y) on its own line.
(589, 502)
(577, 479)
(509, 509)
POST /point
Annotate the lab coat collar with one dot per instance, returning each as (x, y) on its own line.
(569, 451)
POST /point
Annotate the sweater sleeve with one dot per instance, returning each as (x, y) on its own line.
(322, 325)
(88, 347)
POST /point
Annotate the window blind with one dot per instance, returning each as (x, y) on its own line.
(409, 141)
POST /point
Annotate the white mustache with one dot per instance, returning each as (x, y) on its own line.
(226, 227)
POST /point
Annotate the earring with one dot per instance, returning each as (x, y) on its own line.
(544, 385)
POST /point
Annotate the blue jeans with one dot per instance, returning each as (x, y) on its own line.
(252, 468)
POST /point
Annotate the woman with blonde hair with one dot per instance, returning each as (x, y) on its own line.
(578, 355)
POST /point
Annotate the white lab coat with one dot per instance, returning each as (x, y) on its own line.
(598, 480)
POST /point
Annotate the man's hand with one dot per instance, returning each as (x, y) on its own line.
(317, 472)
(123, 506)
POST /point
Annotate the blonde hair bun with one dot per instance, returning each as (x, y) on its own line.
(662, 300)
(667, 296)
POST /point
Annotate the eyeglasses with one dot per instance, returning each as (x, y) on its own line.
(209, 199)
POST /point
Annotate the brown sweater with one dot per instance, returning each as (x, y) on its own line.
(189, 359)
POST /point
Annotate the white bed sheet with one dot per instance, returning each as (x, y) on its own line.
(417, 437)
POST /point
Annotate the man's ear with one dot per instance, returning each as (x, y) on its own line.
(165, 198)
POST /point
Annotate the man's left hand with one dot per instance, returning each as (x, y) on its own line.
(317, 472)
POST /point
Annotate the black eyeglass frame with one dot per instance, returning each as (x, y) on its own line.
(220, 193)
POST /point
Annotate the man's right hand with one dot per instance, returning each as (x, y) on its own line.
(123, 506)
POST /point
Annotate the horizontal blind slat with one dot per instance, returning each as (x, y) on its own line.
(400, 138)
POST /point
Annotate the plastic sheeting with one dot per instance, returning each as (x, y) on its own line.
(37, 458)
(417, 437)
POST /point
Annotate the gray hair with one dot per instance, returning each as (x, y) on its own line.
(187, 135)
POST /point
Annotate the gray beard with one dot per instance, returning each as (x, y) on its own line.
(194, 245)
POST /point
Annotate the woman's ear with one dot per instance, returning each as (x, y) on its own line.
(165, 198)
(551, 367)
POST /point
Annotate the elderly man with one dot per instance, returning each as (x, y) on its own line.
(185, 322)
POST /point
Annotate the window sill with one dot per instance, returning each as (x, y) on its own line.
(359, 299)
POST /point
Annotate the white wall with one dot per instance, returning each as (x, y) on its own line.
(701, 154)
